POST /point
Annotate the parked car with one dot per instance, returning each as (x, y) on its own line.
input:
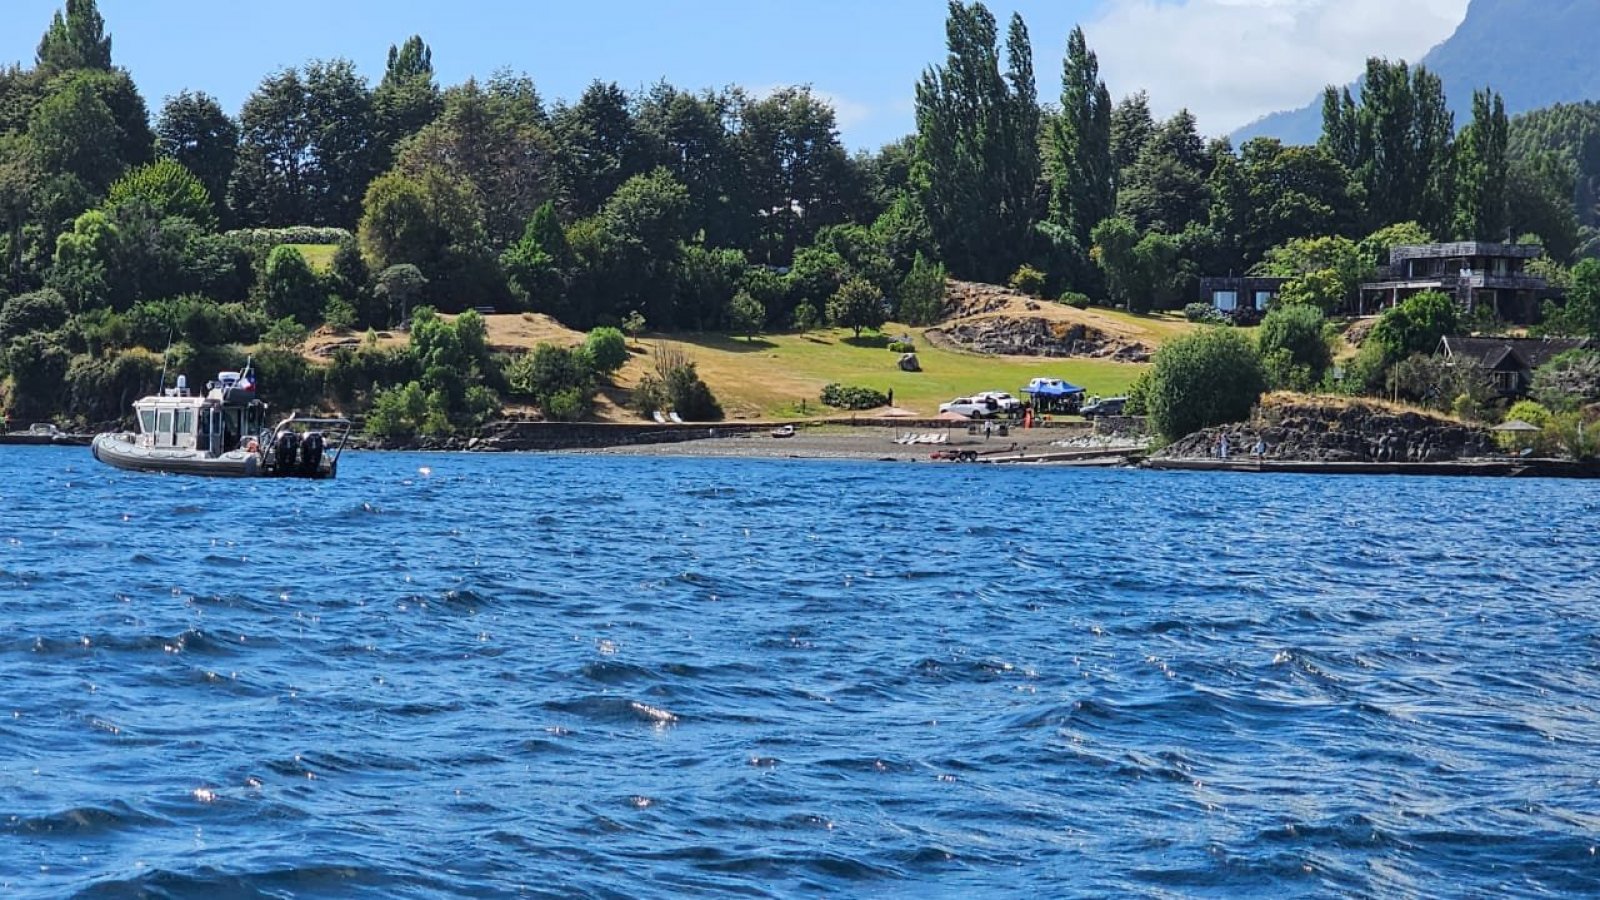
(1007, 403)
(972, 407)
(1107, 406)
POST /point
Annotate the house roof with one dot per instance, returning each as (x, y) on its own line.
(1510, 353)
(1465, 249)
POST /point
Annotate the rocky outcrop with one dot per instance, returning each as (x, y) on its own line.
(1037, 336)
(1308, 431)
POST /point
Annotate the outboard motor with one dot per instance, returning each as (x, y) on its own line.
(310, 453)
(285, 452)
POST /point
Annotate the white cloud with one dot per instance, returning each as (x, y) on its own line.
(1231, 61)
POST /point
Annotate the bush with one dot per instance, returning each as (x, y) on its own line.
(842, 396)
(606, 350)
(1203, 312)
(1203, 379)
(691, 398)
(1075, 300)
(1028, 280)
(902, 347)
(1300, 331)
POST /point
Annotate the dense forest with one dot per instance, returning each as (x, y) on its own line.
(133, 239)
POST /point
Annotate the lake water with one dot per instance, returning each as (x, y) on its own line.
(496, 676)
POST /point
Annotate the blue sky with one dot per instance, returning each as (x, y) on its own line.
(1229, 61)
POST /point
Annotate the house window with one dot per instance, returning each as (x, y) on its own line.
(1226, 301)
(1263, 300)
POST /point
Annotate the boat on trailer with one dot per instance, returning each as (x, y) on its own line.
(223, 432)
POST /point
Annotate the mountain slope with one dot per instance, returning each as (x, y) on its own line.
(1534, 52)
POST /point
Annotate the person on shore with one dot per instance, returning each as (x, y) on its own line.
(1222, 446)
(1260, 449)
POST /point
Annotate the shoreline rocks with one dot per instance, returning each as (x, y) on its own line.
(1306, 431)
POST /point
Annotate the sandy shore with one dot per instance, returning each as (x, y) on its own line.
(868, 443)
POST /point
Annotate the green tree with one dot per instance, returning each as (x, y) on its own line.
(1114, 242)
(606, 350)
(1322, 291)
(193, 131)
(1415, 326)
(76, 40)
(1207, 378)
(1299, 330)
(41, 311)
(539, 266)
(598, 147)
(432, 221)
(401, 287)
(169, 189)
(1398, 141)
(922, 293)
(406, 99)
(746, 315)
(1081, 167)
(494, 138)
(1579, 315)
(1569, 381)
(72, 132)
(856, 305)
(1132, 127)
(1305, 256)
(690, 135)
(289, 289)
(1482, 163)
(795, 170)
(307, 149)
(1165, 187)
(977, 162)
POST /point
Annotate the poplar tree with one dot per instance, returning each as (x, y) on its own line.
(1397, 139)
(1481, 164)
(1082, 170)
(977, 159)
(76, 40)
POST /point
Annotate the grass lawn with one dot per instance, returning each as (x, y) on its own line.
(778, 376)
(318, 256)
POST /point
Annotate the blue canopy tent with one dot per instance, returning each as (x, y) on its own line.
(1052, 395)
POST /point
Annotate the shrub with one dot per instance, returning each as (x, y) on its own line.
(1300, 331)
(606, 350)
(902, 347)
(1075, 299)
(842, 396)
(1203, 312)
(691, 398)
(1203, 379)
(1027, 280)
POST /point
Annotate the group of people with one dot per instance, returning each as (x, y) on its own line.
(1222, 447)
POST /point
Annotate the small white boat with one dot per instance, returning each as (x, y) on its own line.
(783, 431)
(223, 433)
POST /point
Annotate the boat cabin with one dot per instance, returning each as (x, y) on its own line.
(214, 424)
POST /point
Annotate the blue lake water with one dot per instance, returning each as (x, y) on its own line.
(495, 676)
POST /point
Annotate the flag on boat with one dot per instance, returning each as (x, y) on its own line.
(247, 381)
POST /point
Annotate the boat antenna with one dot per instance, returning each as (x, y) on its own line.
(162, 387)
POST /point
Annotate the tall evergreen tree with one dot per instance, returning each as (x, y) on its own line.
(76, 40)
(407, 98)
(194, 131)
(1132, 126)
(1084, 191)
(977, 146)
(1481, 171)
(1398, 141)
